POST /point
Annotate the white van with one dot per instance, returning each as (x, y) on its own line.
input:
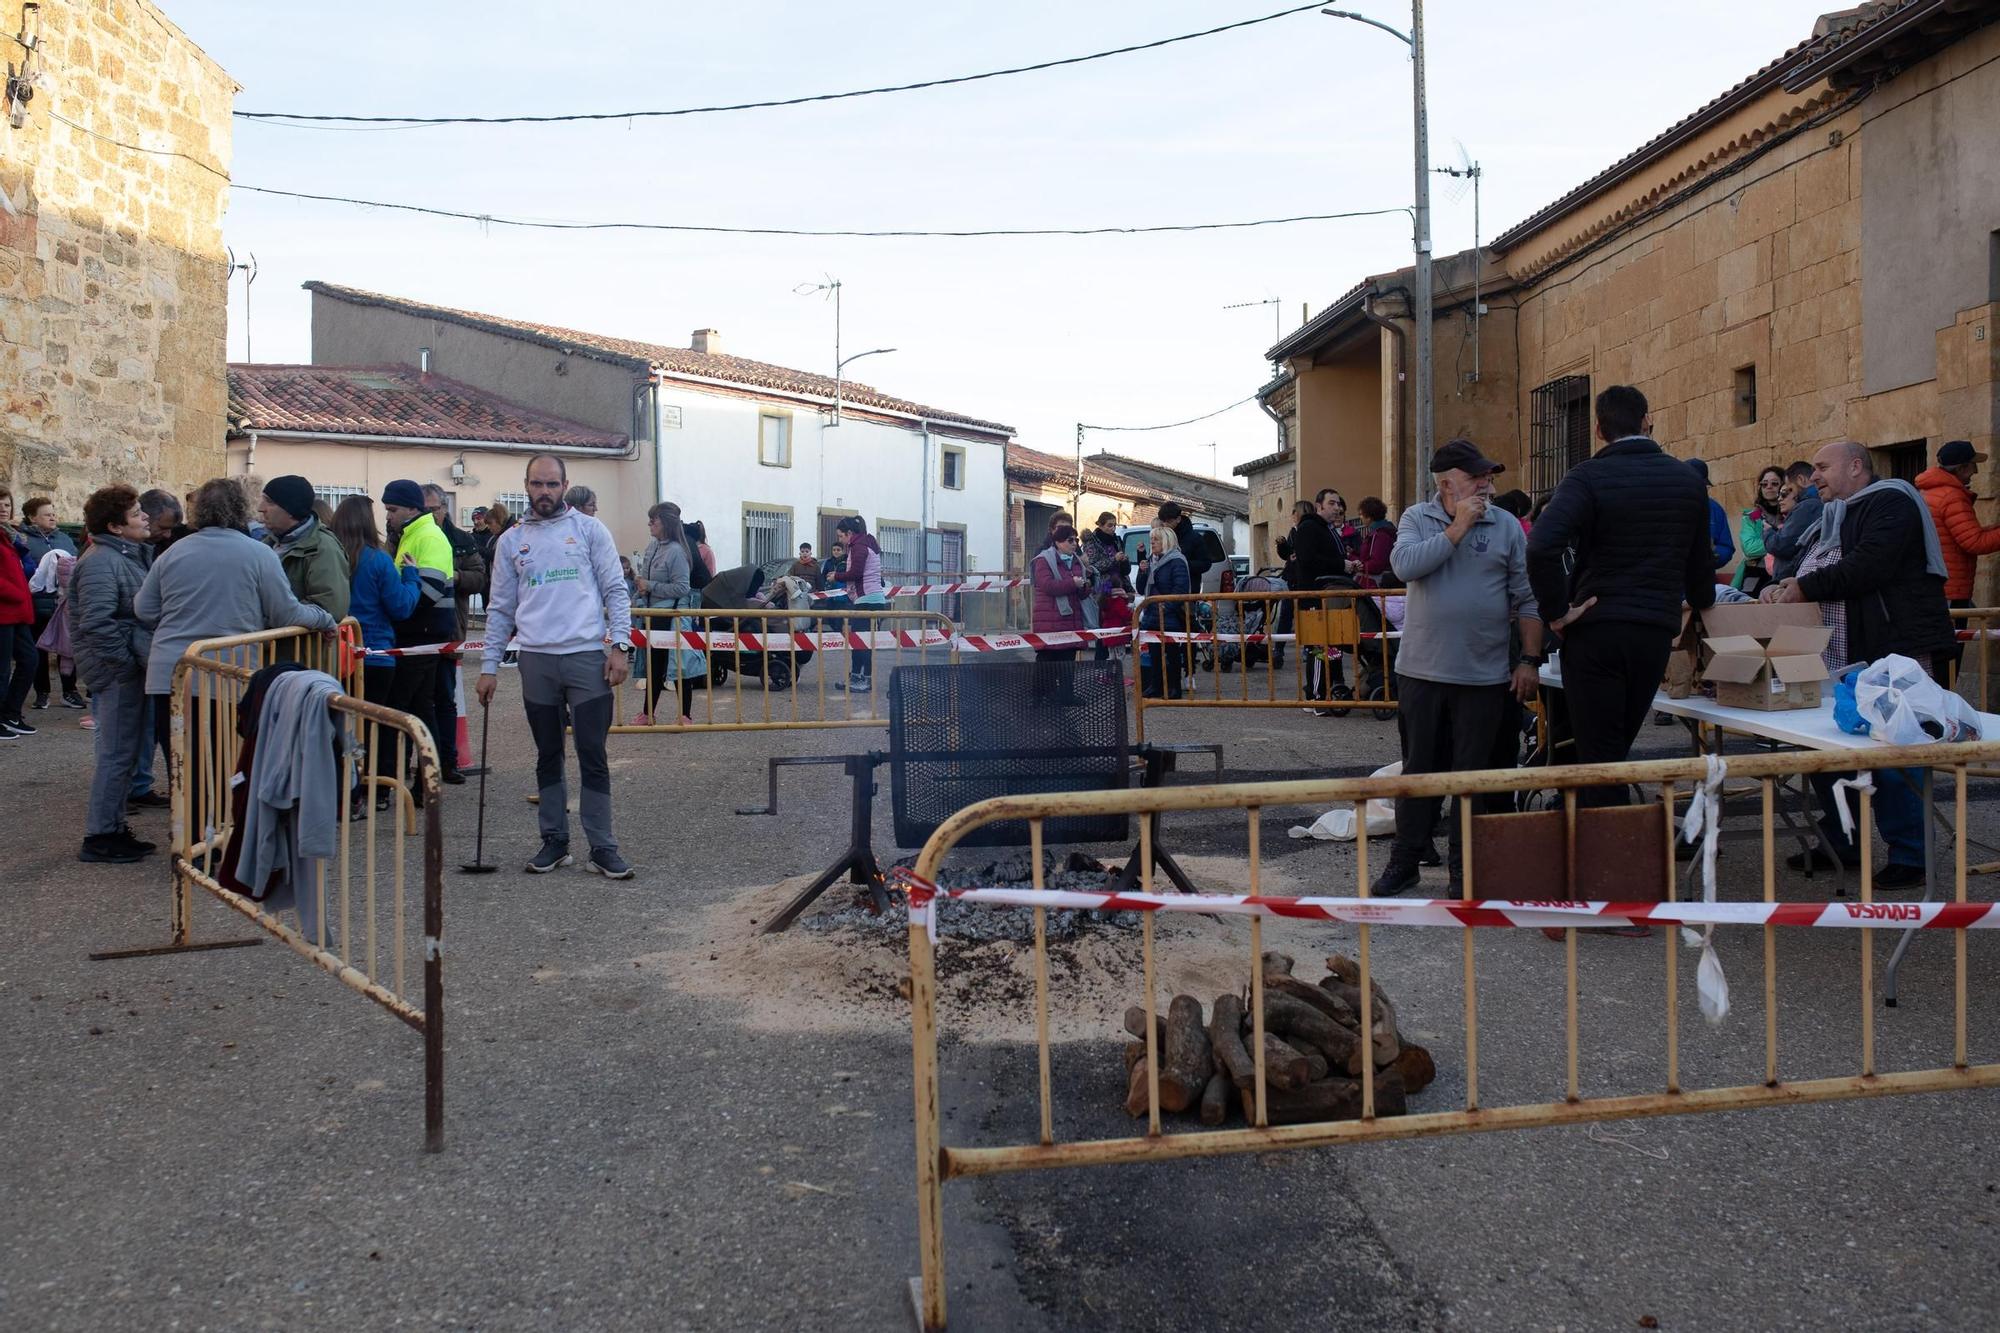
(1134, 537)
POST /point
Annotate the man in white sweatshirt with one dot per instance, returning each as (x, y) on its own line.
(555, 576)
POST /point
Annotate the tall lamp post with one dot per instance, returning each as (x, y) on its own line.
(1414, 39)
(842, 365)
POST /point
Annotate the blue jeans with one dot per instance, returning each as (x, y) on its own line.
(1898, 808)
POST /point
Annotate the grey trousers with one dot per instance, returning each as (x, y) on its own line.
(549, 681)
(124, 732)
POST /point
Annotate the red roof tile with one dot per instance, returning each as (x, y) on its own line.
(394, 401)
(670, 360)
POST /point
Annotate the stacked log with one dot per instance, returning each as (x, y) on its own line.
(1314, 1051)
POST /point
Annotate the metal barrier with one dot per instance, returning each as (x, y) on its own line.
(785, 653)
(938, 1162)
(1320, 621)
(209, 684)
(1976, 626)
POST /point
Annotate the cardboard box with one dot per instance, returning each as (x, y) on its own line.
(1758, 620)
(1781, 671)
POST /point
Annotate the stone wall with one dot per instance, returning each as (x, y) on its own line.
(113, 280)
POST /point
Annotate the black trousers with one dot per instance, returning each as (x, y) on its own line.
(444, 708)
(412, 689)
(1445, 729)
(1164, 670)
(1611, 671)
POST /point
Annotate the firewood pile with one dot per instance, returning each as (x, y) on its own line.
(1313, 1051)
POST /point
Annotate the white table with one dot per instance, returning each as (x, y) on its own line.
(1806, 729)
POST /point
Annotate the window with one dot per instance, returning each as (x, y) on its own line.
(767, 535)
(1744, 405)
(333, 495)
(827, 535)
(516, 502)
(1559, 431)
(774, 439)
(645, 411)
(902, 547)
(951, 468)
(1902, 461)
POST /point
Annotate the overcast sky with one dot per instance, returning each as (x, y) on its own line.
(1305, 114)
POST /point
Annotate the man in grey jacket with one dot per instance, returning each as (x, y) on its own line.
(1458, 678)
(111, 648)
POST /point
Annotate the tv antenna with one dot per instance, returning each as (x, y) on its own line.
(1466, 173)
(1277, 313)
(249, 272)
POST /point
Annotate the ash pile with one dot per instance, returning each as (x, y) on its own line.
(1313, 1051)
(969, 924)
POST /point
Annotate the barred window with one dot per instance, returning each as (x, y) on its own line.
(1559, 431)
(333, 495)
(902, 547)
(767, 535)
(516, 502)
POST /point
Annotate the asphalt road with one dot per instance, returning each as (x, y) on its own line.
(231, 1140)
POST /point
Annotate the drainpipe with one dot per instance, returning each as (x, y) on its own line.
(659, 454)
(1398, 368)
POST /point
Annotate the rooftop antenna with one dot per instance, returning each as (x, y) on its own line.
(1467, 171)
(1277, 314)
(249, 272)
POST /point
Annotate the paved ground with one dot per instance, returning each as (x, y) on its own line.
(231, 1140)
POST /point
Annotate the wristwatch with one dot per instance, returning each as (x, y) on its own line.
(1527, 660)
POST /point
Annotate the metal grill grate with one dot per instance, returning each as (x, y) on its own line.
(1560, 430)
(960, 734)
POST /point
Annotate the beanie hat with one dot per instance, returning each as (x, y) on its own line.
(405, 493)
(291, 493)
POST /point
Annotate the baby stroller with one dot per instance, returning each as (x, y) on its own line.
(1373, 682)
(1250, 618)
(747, 587)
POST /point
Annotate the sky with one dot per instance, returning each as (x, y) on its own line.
(1305, 114)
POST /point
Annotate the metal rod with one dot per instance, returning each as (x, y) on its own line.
(1770, 937)
(1361, 948)
(1471, 979)
(1569, 938)
(1673, 958)
(1041, 984)
(1960, 838)
(1866, 842)
(1257, 971)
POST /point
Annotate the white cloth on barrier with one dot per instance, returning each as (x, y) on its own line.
(1704, 821)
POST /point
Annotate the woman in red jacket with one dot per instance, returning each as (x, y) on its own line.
(1060, 582)
(17, 625)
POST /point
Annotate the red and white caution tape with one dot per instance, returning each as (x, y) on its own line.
(934, 589)
(1066, 638)
(834, 640)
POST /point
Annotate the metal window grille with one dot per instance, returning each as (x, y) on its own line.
(1559, 430)
(902, 547)
(767, 535)
(333, 495)
(516, 502)
(1901, 461)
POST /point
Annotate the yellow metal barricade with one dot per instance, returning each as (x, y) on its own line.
(1207, 642)
(938, 1162)
(378, 922)
(775, 669)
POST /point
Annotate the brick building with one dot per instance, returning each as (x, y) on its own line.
(113, 279)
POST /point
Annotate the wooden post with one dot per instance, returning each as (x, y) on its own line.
(1770, 938)
(1673, 956)
(1041, 983)
(1471, 985)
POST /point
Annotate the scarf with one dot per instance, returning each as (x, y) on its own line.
(1833, 511)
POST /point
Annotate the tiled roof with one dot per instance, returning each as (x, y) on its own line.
(1027, 464)
(1140, 467)
(670, 360)
(1278, 459)
(1877, 41)
(394, 401)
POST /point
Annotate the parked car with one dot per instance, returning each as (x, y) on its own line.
(1134, 538)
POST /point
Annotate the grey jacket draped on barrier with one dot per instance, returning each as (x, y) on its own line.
(292, 816)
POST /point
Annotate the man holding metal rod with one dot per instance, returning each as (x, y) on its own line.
(1459, 681)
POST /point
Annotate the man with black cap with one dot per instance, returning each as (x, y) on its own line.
(420, 542)
(1947, 489)
(1718, 520)
(314, 564)
(1623, 543)
(1458, 678)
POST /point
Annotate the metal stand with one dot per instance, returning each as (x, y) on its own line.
(1159, 761)
(858, 862)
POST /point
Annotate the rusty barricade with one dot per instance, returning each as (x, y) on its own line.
(938, 1162)
(763, 669)
(1231, 650)
(1972, 672)
(366, 932)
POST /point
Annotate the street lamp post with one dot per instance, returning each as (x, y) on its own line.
(842, 365)
(1421, 213)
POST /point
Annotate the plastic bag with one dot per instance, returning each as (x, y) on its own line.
(1846, 715)
(1902, 705)
(1337, 824)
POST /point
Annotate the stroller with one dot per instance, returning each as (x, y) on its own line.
(1248, 618)
(1369, 653)
(757, 587)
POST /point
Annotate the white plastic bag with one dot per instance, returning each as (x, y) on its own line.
(1902, 705)
(1337, 824)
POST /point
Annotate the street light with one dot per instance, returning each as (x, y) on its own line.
(841, 365)
(1414, 39)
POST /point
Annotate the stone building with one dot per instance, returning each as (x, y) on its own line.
(1813, 255)
(113, 279)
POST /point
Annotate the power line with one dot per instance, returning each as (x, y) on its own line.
(490, 219)
(302, 120)
(1083, 426)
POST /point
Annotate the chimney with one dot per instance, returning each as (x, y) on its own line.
(707, 340)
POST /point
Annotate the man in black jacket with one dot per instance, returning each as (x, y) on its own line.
(1637, 520)
(1315, 554)
(1888, 588)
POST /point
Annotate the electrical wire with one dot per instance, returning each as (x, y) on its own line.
(1172, 424)
(303, 120)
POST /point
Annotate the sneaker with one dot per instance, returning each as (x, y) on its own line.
(1663, 719)
(452, 778)
(686, 721)
(109, 849)
(642, 720)
(71, 699)
(18, 725)
(1896, 876)
(41, 701)
(1819, 859)
(553, 856)
(148, 800)
(133, 841)
(607, 862)
(87, 722)
(1396, 877)
(856, 684)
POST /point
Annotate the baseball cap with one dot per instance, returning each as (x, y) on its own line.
(1465, 456)
(1957, 453)
(1700, 466)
